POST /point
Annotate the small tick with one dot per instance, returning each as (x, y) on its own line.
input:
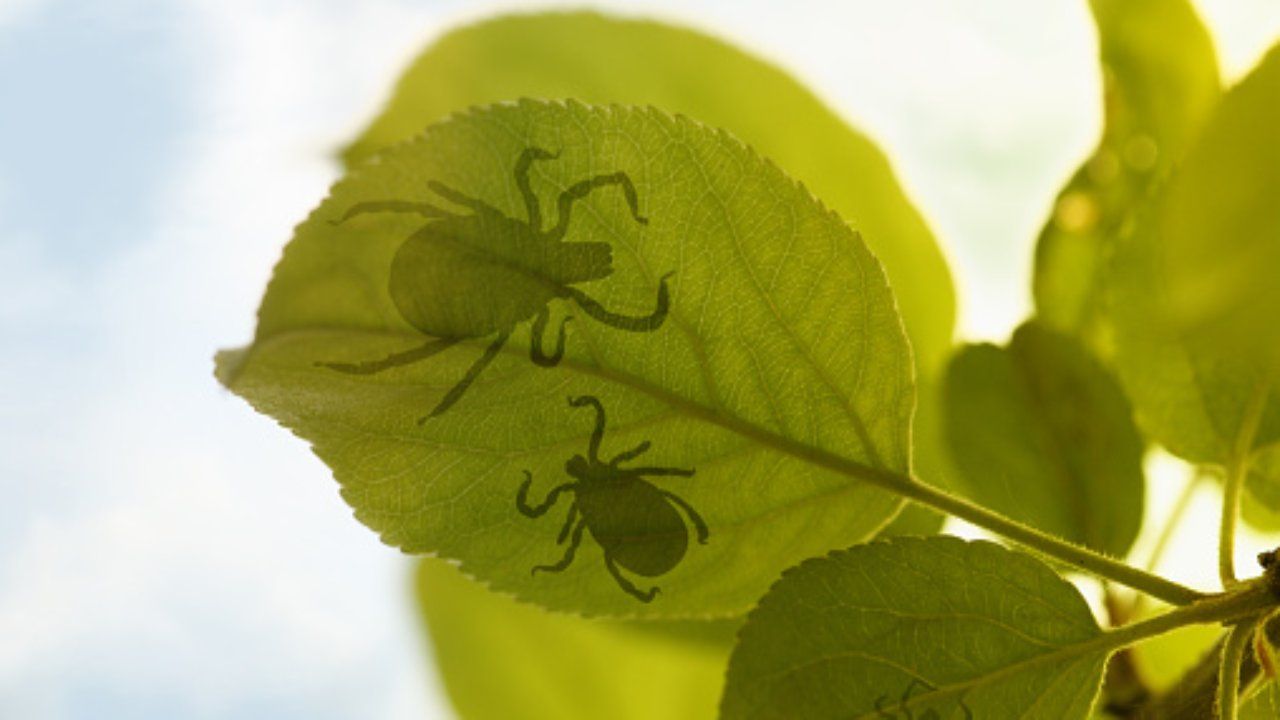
(474, 275)
(634, 522)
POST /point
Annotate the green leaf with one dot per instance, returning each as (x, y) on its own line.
(1208, 240)
(781, 373)
(1160, 79)
(1260, 506)
(1041, 432)
(973, 624)
(1220, 226)
(500, 659)
(601, 60)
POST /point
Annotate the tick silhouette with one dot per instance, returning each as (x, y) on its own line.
(929, 714)
(480, 274)
(634, 522)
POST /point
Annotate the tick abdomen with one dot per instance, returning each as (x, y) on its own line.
(635, 525)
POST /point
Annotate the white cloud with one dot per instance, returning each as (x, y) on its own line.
(13, 11)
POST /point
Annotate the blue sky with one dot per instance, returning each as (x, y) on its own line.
(167, 552)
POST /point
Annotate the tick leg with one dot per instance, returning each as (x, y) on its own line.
(880, 701)
(593, 450)
(698, 522)
(644, 323)
(626, 585)
(454, 196)
(536, 353)
(567, 560)
(579, 190)
(568, 523)
(527, 157)
(393, 360)
(472, 373)
(426, 210)
(631, 454)
(522, 497)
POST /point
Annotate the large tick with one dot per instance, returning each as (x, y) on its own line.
(473, 275)
(634, 522)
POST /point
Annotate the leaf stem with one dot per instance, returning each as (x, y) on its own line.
(1249, 600)
(1068, 552)
(1237, 470)
(1229, 669)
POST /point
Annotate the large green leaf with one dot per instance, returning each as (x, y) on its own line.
(603, 60)
(959, 624)
(500, 659)
(1042, 433)
(781, 374)
(1160, 78)
(1220, 222)
(1194, 388)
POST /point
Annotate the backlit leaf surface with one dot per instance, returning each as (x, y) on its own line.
(973, 624)
(781, 370)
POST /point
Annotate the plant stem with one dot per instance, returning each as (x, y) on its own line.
(1229, 669)
(912, 489)
(1237, 470)
(1247, 601)
(1077, 555)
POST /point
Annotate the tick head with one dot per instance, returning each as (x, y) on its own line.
(577, 467)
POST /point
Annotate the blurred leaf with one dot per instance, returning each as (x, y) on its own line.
(971, 622)
(1042, 433)
(1164, 658)
(1265, 705)
(597, 59)
(781, 374)
(1192, 389)
(1260, 505)
(1220, 222)
(501, 659)
(1160, 80)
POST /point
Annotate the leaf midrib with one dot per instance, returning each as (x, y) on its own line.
(883, 478)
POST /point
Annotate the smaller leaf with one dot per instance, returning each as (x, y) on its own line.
(501, 659)
(960, 629)
(1041, 432)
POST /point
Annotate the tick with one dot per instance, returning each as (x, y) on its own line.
(480, 274)
(634, 522)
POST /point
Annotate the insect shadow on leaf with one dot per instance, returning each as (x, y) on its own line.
(930, 714)
(634, 522)
(473, 275)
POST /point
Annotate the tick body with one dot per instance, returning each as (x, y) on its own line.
(480, 274)
(637, 525)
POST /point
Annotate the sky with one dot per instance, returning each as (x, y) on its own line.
(166, 552)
